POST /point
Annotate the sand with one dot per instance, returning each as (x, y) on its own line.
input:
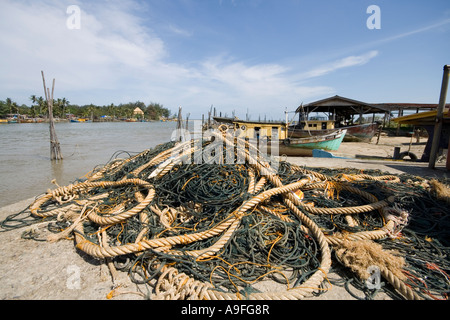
(384, 148)
(41, 270)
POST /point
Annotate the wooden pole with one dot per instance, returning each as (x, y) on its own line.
(179, 126)
(400, 113)
(187, 121)
(55, 149)
(381, 127)
(439, 118)
(447, 164)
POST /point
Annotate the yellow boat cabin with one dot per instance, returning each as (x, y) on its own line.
(254, 129)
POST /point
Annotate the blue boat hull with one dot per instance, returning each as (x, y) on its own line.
(330, 143)
(305, 146)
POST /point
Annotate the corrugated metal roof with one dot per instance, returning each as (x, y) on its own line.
(423, 118)
(341, 105)
(345, 105)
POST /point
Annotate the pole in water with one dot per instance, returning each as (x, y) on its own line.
(55, 150)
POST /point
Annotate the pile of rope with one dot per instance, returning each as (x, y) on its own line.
(216, 230)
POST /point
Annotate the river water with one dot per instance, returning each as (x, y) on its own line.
(26, 169)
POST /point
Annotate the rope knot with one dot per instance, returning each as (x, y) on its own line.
(399, 216)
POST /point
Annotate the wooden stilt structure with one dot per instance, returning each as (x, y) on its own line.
(55, 149)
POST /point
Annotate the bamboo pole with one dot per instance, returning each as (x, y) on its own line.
(439, 116)
(55, 149)
(179, 126)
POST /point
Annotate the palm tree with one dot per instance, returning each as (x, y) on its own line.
(9, 104)
(112, 111)
(57, 106)
(64, 104)
(40, 102)
(33, 100)
(16, 107)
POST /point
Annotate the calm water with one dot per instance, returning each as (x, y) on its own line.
(25, 167)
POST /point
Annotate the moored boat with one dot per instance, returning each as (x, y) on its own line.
(356, 133)
(277, 136)
(305, 146)
(362, 132)
(80, 120)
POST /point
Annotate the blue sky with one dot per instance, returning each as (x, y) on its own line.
(258, 55)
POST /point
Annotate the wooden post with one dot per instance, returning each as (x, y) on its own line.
(360, 115)
(187, 121)
(381, 127)
(55, 150)
(209, 119)
(447, 164)
(400, 113)
(180, 120)
(396, 153)
(439, 119)
(179, 126)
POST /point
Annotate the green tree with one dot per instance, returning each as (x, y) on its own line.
(111, 110)
(4, 110)
(155, 110)
(64, 104)
(9, 105)
(33, 106)
(38, 104)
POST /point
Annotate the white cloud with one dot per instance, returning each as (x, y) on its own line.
(339, 64)
(264, 88)
(438, 24)
(264, 79)
(114, 57)
(179, 31)
(110, 41)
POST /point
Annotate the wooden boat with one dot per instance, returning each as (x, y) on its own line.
(357, 133)
(305, 146)
(362, 132)
(80, 120)
(277, 136)
(295, 132)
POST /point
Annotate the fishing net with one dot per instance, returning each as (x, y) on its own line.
(220, 226)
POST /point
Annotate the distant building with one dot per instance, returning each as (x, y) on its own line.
(138, 111)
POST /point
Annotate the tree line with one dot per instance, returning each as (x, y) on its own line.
(62, 108)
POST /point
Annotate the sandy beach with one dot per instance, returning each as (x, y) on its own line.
(371, 155)
(42, 270)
